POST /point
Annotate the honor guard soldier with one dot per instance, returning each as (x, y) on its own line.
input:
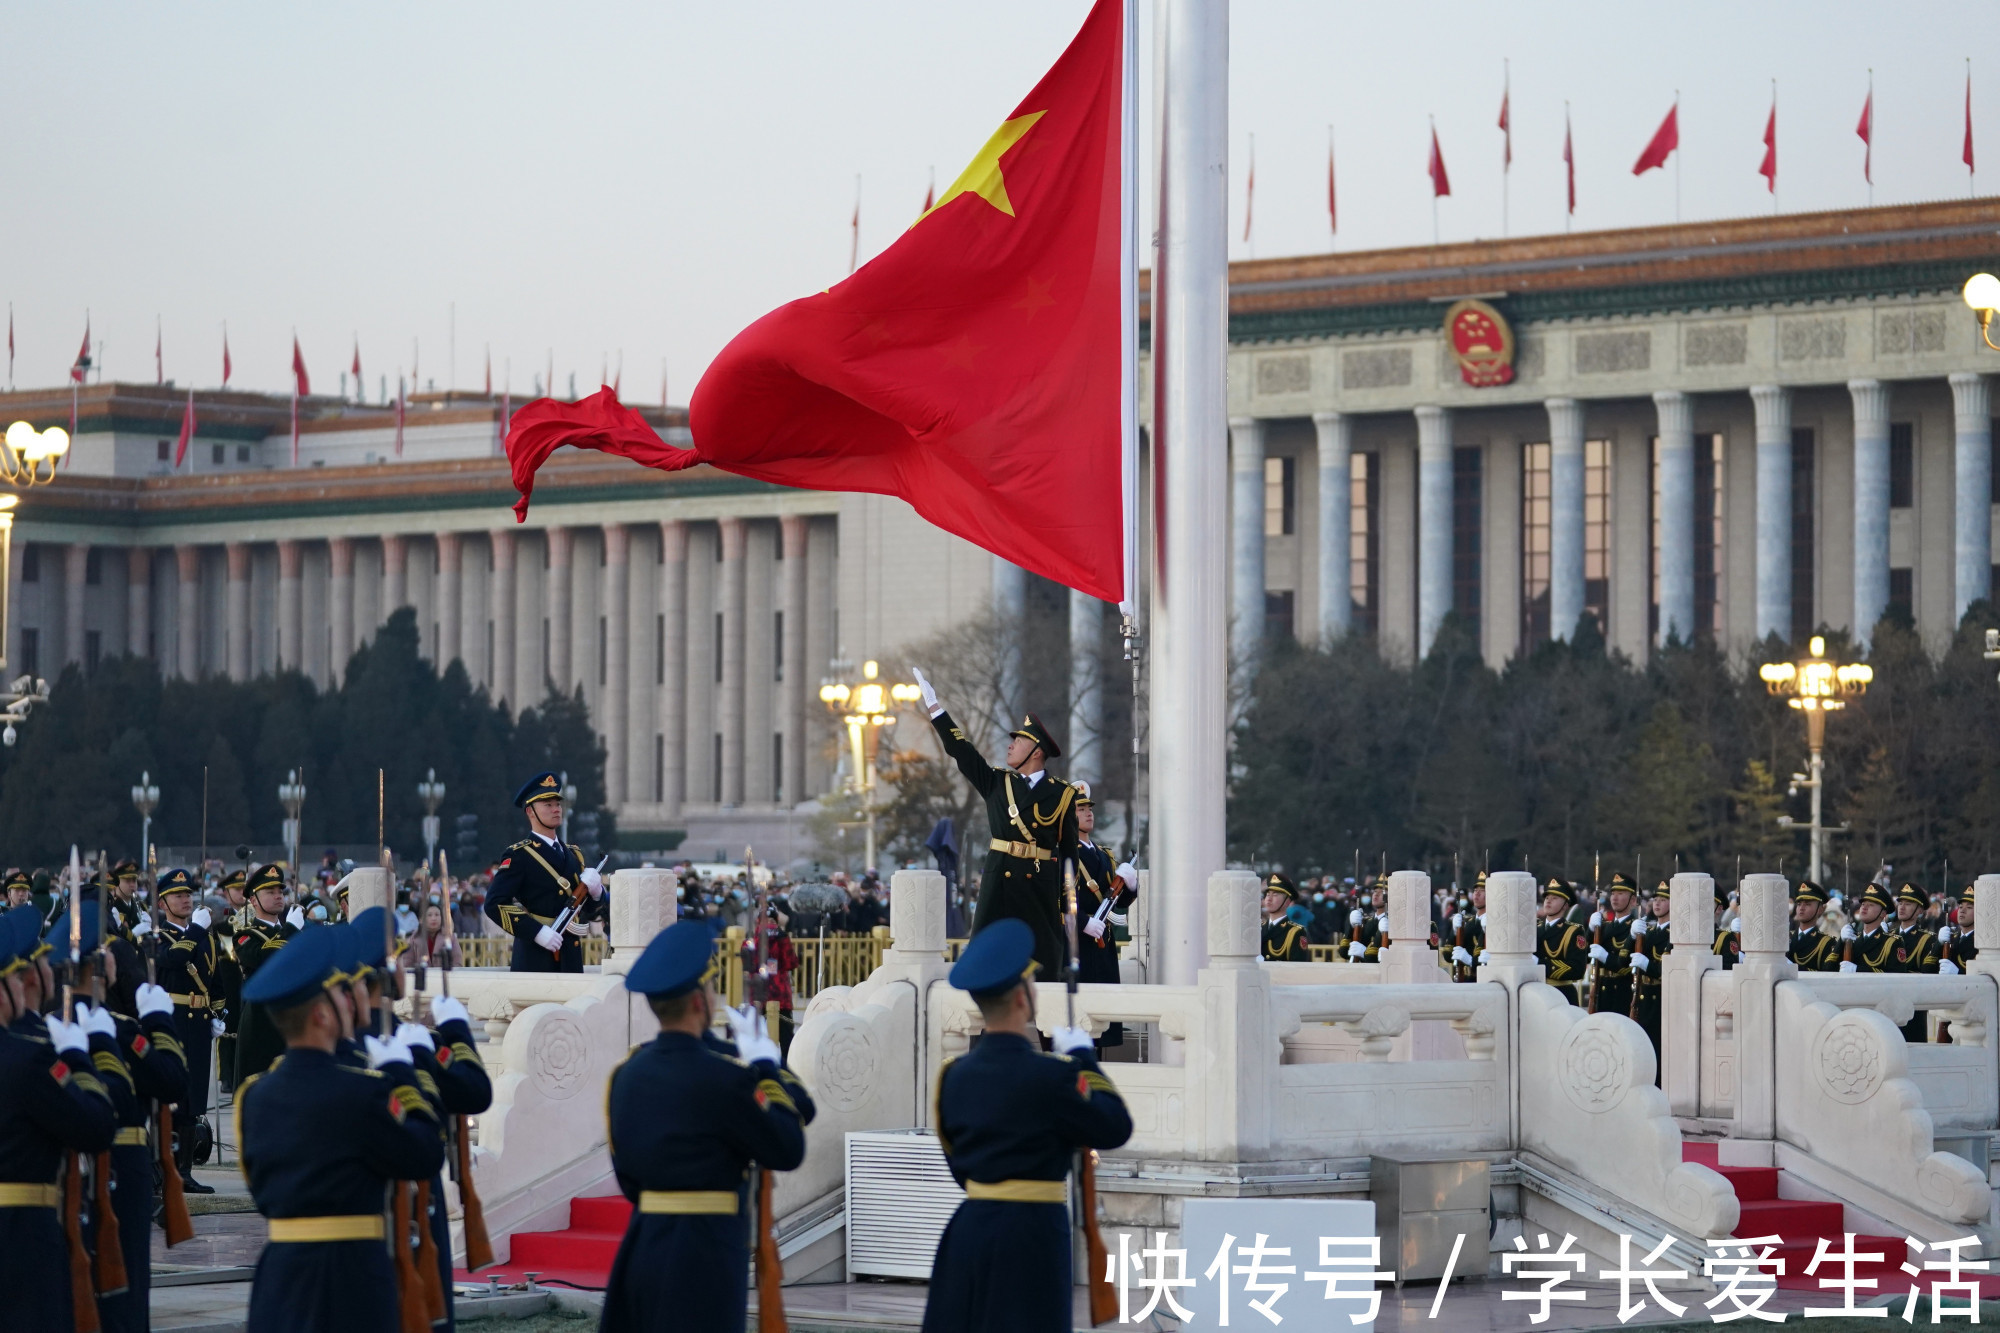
(1866, 943)
(257, 942)
(1284, 940)
(1465, 941)
(182, 967)
(1364, 928)
(1560, 944)
(1728, 940)
(1811, 949)
(1917, 950)
(1959, 945)
(320, 1142)
(1031, 817)
(1652, 940)
(1010, 1120)
(1611, 948)
(226, 984)
(537, 879)
(1104, 894)
(52, 1106)
(126, 912)
(686, 1124)
(20, 890)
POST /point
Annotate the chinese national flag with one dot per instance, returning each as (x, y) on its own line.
(973, 368)
(1664, 141)
(187, 433)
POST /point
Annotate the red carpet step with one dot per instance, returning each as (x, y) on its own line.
(1803, 1223)
(579, 1255)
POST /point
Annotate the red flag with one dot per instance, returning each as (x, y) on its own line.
(81, 366)
(1968, 117)
(1569, 162)
(1506, 129)
(1866, 129)
(357, 368)
(1664, 141)
(1440, 182)
(225, 357)
(1332, 202)
(187, 432)
(1250, 190)
(301, 386)
(1769, 169)
(159, 364)
(973, 368)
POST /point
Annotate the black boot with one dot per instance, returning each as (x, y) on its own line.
(184, 1160)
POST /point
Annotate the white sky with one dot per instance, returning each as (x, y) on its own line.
(585, 178)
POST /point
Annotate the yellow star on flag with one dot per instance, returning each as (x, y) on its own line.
(982, 177)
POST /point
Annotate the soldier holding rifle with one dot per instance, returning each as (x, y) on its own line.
(543, 894)
(183, 964)
(258, 941)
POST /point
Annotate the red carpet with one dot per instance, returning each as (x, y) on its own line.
(580, 1255)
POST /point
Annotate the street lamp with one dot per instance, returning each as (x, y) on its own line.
(31, 455)
(292, 796)
(865, 706)
(1816, 687)
(1982, 293)
(145, 799)
(431, 792)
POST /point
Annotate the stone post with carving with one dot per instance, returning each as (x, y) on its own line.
(1693, 933)
(916, 918)
(368, 886)
(643, 903)
(1510, 960)
(1409, 959)
(1232, 1066)
(1986, 924)
(1766, 910)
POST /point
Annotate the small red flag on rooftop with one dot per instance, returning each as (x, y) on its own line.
(1769, 168)
(1332, 201)
(1970, 170)
(225, 356)
(187, 432)
(1250, 191)
(80, 367)
(1661, 146)
(301, 386)
(1866, 131)
(1440, 181)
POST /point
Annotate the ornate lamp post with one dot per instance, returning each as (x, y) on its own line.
(1816, 686)
(431, 792)
(292, 796)
(1982, 293)
(145, 799)
(865, 706)
(28, 460)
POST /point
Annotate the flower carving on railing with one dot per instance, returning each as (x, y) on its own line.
(1594, 1065)
(558, 1055)
(1850, 1060)
(846, 1065)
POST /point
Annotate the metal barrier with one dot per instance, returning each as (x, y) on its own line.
(498, 950)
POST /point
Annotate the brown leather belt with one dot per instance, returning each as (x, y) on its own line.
(1027, 851)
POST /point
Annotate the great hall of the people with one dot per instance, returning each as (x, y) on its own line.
(1720, 428)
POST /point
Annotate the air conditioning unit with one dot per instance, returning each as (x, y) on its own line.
(900, 1194)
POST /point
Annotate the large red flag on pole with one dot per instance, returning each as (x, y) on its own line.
(187, 432)
(1663, 143)
(1440, 182)
(979, 368)
(1769, 168)
(301, 386)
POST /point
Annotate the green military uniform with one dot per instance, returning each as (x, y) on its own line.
(1812, 949)
(1284, 940)
(1465, 930)
(1561, 946)
(1611, 991)
(1917, 950)
(256, 943)
(1728, 944)
(1652, 939)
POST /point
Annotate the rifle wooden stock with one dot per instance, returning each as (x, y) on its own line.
(412, 1314)
(111, 1276)
(179, 1226)
(1103, 1294)
(478, 1245)
(427, 1255)
(770, 1269)
(83, 1299)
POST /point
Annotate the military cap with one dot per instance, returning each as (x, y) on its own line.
(1871, 892)
(12, 938)
(1910, 893)
(235, 879)
(996, 960)
(680, 958)
(368, 931)
(1808, 892)
(346, 962)
(174, 881)
(1480, 881)
(1279, 883)
(1620, 881)
(57, 936)
(1557, 885)
(1082, 793)
(295, 973)
(1721, 893)
(126, 869)
(1031, 728)
(541, 787)
(28, 942)
(270, 875)
(18, 879)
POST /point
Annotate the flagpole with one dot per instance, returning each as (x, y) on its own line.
(1507, 160)
(1677, 155)
(1871, 137)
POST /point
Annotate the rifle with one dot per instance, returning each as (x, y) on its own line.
(83, 1298)
(413, 1297)
(178, 1224)
(111, 1276)
(579, 894)
(478, 1246)
(1103, 1296)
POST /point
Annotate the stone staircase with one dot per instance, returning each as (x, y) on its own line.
(579, 1255)
(1802, 1223)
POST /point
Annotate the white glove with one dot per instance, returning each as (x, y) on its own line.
(446, 1009)
(414, 1035)
(1457, 920)
(143, 928)
(924, 687)
(1129, 873)
(68, 1038)
(1460, 956)
(1641, 963)
(217, 1027)
(98, 1022)
(1596, 920)
(1847, 932)
(1736, 924)
(152, 1000)
(296, 918)
(1847, 967)
(1599, 954)
(1947, 967)
(1094, 928)
(1356, 950)
(1354, 917)
(1482, 957)
(391, 1052)
(201, 917)
(1944, 934)
(1071, 1041)
(753, 1041)
(593, 881)
(549, 939)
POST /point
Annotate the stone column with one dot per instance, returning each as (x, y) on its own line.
(1871, 504)
(450, 600)
(395, 575)
(1408, 959)
(792, 533)
(1085, 740)
(368, 886)
(1677, 463)
(187, 631)
(729, 695)
(617, 663)
(1766, 912)
(236, 622)
(76, 572)
(1232, 1065)
(1434, 523)
(643, 903)
(673, 674)
(916, 917)
(291, 622)
(1973, 510)
(1692, 929)
(340, 606)
(1246, 540)
(1774, 511)
(558, 603)
(1565, 515)
(139, 600)
(500, 606)
(1334, 433)
(1511, 961)
(1986, 928)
